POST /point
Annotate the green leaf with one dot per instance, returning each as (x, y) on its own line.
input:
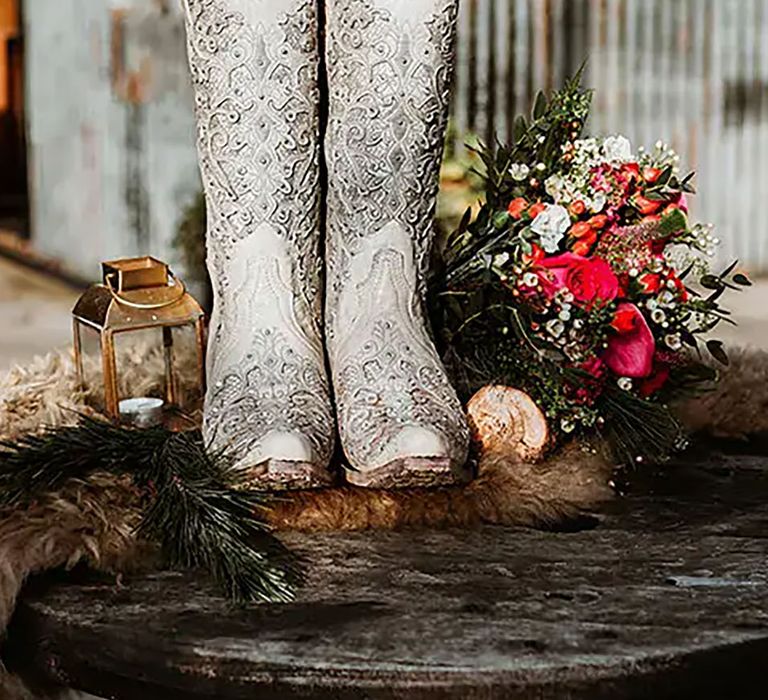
(521, 128)
(673, 223)
(665, 176)
(728, 270)
(465, 220)
(717, 350)
(540, 105)
(711, 282)
(501, 219)
(743, 280)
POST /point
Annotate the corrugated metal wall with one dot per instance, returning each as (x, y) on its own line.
(111, 131)
(691, 72)
(112, 135)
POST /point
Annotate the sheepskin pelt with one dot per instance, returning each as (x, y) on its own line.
(93, 520)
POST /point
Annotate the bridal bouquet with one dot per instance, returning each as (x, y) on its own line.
(575, 282)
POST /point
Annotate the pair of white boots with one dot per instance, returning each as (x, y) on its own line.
(256, 67)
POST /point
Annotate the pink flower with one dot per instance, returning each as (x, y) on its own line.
(590, 280)
(630, 352)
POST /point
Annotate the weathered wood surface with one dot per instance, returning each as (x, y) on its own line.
(666, 597)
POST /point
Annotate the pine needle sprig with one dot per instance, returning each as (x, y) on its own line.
(193, 510)
(37, 463)
(202, 523)
(639, 430)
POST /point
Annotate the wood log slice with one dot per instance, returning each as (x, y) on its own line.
(507, 420)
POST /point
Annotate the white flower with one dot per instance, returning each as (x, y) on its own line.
(555, 186)
(597, 202)
(519, 171)
(531, 279)
(551, 226)
(617, 149)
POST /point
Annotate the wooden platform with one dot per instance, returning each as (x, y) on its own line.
(666, 596)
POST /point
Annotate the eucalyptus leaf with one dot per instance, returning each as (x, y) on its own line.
(717, 350)
(711, 282)
(743, 280)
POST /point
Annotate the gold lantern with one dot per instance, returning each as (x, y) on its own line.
(138, 294)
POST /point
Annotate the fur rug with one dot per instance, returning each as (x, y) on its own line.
(92, 521)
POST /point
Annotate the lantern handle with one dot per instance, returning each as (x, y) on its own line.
(147, 307)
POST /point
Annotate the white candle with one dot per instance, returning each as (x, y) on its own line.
(142, 411)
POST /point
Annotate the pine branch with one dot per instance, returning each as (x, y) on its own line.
(637, 427)
(193, 510)
(202, 523)
(38, 463)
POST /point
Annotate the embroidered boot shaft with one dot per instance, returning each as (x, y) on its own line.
(389, 70)
(255, 70)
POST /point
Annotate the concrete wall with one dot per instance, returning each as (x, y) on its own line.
(110, 126)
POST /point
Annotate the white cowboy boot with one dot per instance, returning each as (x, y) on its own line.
(390, 65)
(255, 70)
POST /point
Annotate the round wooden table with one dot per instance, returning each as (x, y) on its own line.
(664, 596)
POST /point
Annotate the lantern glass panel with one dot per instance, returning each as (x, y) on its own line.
(92, 366)
(139, 364)
(187, 369)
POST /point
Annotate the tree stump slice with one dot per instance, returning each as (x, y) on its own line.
(666, 597)
(505, 420)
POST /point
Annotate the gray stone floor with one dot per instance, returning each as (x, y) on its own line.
(34, 313)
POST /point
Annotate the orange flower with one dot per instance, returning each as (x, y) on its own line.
(517, 207)
(536, 209)
(651, 175)
(599, 222)
(580, 230)
(646, 206)
(577, 208)
(584, 246)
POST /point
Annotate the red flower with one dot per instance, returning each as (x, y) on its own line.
(589, 388)
(624, 319)
(651, 175)
(537, 254)
(599, 222)
(679, 286)
(650, 283)
(646, 206)
(630, 352)
(590, 280)
(517, 207)
(656, 381)
(631, 170)
(536, 209)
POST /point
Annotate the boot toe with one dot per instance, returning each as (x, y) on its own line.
(286, 447)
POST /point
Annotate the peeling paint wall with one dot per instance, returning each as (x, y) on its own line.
(111, 128)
